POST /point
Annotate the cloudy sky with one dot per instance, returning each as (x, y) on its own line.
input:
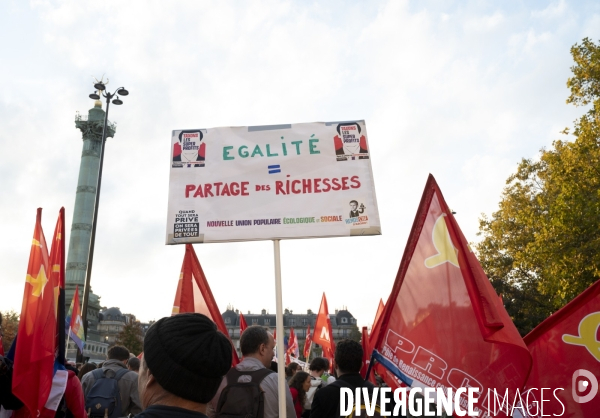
(459, 89)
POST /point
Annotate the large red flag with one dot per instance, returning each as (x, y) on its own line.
(444, 325)
(566, 354)
(243, 324)
(307, 344)
(322, 334)
(194, 294)
(35, 347)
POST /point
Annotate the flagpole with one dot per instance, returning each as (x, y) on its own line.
(280, 330)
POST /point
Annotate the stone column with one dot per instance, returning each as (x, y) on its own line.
(83, 212)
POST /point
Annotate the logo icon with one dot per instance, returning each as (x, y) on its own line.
(584, 386)
(588, 327)
(447, 252)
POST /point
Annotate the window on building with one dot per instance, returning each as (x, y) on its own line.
(254, 321)
(267, 321)
(344, 320)
(228, 320)
(304, 321)
(344, 332)
(292, 322)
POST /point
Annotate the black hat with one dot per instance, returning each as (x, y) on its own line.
(187, 355)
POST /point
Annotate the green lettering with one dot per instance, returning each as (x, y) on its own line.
(269, 152)
(226, 155)
(257, 151)
(243, 153)
(313, 147)
(297, 144)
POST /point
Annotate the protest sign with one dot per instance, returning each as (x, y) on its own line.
(304, 180)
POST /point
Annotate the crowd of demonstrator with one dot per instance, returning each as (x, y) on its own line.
(186, 371)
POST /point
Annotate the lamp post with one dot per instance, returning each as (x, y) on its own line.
(121, 91)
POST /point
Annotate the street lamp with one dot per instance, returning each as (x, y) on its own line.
(121, 91)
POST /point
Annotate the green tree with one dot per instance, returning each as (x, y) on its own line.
(542, 247)
(10, 326)
(132, 337)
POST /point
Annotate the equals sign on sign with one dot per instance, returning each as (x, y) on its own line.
(273, 169)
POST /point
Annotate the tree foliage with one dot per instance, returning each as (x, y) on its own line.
(542, 247)
(10, 326)
(132, 337)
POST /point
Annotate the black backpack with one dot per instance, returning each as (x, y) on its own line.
(243, 397)
(104, 399)
(375, 412)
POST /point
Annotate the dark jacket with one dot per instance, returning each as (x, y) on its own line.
(326, 403)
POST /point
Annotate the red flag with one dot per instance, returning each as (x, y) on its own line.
(57, 280)
(293, 344)
(443, 323)
(35, 347)
(323, 333)
(307, 344)
(243, 324)
(369, 344)
(566, 354)
(366, 352)
(194, 294)
(275, 336)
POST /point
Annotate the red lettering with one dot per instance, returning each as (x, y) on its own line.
(336, 184)
(225, 191)
(234, 188)
(317, 190)
(354, 179)
(188, 189)
(327, 185)
(207, 190)
(279, 187)
(199, 191)
(294, 183)
(218, 187)
(345, 183)
(245, 188)
(306, 186)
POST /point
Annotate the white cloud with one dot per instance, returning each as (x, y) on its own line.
(462, 92)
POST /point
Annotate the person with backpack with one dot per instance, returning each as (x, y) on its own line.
(348, 362)
(250, 388)
(185, 359)
(112, 390)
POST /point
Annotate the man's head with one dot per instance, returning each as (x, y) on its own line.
(118, 352)
(257, 342)
(348, 357)
(134, 364)
(318, 366)
(185, 359)
(353, 205)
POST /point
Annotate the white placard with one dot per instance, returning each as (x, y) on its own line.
(303, 180)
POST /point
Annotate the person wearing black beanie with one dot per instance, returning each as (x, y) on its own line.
(185, 359)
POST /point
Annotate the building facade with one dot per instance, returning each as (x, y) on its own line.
(343, 325)
(111, 323)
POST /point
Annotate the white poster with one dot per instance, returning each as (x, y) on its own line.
(304, 180)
